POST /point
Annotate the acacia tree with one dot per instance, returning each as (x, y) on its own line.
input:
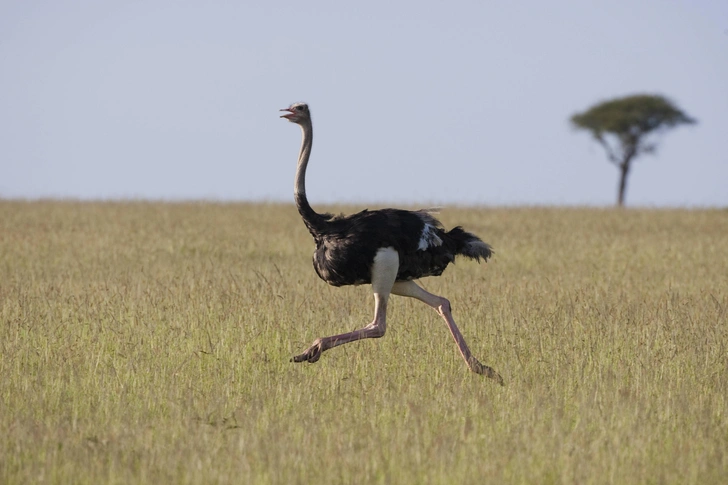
(622, 126)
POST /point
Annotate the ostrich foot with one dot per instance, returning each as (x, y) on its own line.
(311, 354)
(484, 370)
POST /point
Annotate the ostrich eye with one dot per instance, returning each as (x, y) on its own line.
(299, 108)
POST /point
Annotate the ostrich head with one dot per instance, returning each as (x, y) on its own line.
(297, 113)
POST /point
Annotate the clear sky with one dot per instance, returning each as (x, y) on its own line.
(426, 102)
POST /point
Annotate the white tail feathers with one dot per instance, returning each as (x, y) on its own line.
(476, 249)
(469, 245)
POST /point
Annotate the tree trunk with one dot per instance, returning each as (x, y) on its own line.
(623, 172)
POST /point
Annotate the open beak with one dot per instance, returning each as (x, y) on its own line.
(290, 114)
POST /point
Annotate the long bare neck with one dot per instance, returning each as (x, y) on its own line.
(303, 156)
(313, 220)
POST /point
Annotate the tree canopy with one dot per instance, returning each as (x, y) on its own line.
(621, 126)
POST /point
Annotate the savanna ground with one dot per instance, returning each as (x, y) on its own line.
(150, 343)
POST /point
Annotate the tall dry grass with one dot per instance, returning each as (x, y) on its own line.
(149, 343)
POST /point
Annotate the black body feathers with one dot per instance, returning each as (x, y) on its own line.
(346, 245)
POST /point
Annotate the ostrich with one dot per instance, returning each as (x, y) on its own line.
(387, 248)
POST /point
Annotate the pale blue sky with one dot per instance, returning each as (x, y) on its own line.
(427, 102)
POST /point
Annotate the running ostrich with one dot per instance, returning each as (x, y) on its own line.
(388, 248)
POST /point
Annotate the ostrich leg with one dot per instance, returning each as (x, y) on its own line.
(442, 306)
(384, 273)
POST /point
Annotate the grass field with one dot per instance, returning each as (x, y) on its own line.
(150, 343)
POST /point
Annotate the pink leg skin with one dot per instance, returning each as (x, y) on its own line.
(384, 273)
(442, 306)
(376, 329)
